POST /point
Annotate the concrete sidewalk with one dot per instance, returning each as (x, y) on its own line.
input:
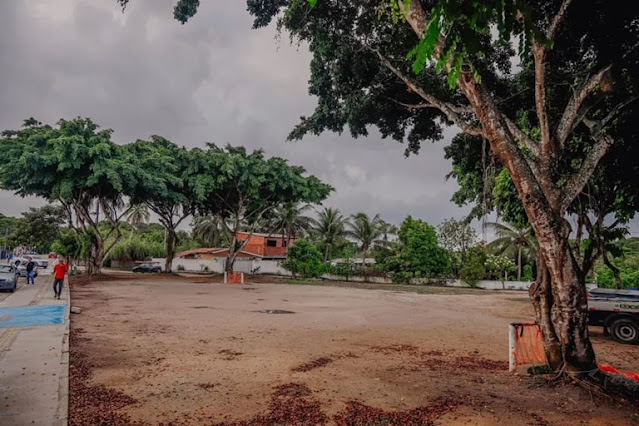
(34, 361)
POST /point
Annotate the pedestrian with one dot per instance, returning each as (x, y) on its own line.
(10, 257)
(30, 271)
(59, 272)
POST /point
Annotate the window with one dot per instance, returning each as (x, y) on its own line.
(284, 243)
(271, 243)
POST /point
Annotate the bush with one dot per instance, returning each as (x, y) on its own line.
(136, 250)
(528, 273)
(304, 259)
(180, 268)
(473, 269)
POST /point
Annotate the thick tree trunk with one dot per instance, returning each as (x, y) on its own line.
(170, 249)
(560, 294)
(96, 258)
(561, 306)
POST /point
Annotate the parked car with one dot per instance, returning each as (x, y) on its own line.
(617, 311)
(21, 266)
(8, 277)
(147, 267)
(42, 263)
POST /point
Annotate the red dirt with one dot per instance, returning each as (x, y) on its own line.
(346, 357)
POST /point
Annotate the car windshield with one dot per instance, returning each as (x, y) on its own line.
(6, 268)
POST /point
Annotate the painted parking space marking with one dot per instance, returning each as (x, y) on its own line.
(27, 316)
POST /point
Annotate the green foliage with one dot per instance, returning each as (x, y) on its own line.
(498, 266)
(38, 228)
(329, 229)
(136, 249)
(456, 236)
(528, 273)
(473, 269)
(304, 259)
(417, 254)
(68, 245)
(242, 188)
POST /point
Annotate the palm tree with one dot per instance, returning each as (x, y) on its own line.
(367, 232)
(289, 220)
(513, 241)
(209, 229)
(329, 227)
(138, 215)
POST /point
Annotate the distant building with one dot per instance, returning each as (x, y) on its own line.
(263, 246)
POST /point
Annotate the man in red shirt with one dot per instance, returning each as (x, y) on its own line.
(59, 271)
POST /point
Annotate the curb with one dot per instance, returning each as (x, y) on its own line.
(62, 413)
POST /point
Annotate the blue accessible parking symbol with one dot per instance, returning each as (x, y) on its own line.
(27, 316)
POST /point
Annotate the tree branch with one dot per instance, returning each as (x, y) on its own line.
(539, 55)
(572, 113)
(578, 180)
(557, 19)
(444, 107)
(598, 126)
(523, 138)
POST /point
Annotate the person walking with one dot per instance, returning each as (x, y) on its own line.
(30, 271)
(59, 272)
(10, 257)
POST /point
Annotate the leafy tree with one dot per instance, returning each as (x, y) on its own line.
(456, 236)
(458, 71)
(290, 221)
(528, 273)
(241, 188)
(368, 232)
(305, 259)
(38, 228)
(473, 270)
(513, 242)
(329, 228)
(165, 190)
(77, 165)
(417, 253)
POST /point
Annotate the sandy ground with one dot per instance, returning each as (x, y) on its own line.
(191, 352)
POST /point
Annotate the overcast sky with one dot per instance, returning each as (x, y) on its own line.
(213, 79)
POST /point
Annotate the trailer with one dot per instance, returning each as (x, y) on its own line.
(617, 311)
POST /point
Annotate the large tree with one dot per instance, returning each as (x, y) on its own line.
(575, 59)
(77, 165)
(242, 188)
(165, 190)
(460, 73)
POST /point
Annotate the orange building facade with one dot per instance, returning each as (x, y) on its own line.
(264, 246)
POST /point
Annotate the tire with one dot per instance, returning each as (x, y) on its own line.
(13, 289)
(625, 330)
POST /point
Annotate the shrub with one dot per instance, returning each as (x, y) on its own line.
(180, 268)
(304, 259)
(473, 269)
(528, 273)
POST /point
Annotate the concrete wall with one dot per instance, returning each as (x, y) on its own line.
(274, 267)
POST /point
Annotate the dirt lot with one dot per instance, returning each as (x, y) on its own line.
(167, 350)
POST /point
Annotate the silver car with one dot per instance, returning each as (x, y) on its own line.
(8, 277)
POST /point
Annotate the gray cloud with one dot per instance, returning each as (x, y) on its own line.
(214, 79)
